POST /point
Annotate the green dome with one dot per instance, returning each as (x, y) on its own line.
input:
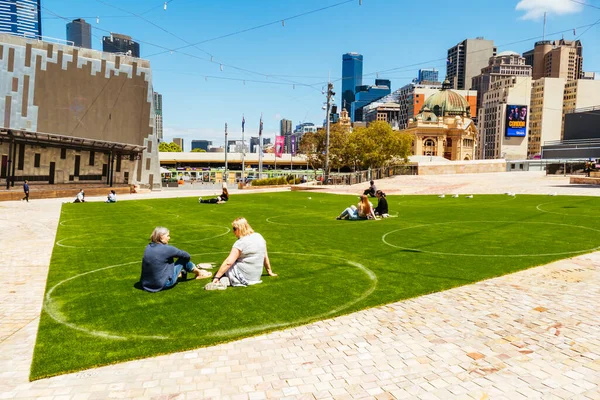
(447, 102)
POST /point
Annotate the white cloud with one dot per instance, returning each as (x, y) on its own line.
(535, 9)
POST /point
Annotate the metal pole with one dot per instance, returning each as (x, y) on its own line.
(243, 153)
(326, 168)
(260, 149)
(225, 177)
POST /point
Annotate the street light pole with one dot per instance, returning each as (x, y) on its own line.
(330, 94)
(225, 177)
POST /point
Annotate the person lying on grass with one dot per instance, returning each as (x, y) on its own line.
(159, 271)
(364, 210)
(222, 198)
(244, 264)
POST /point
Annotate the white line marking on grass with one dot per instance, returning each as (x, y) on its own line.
(370, 274)
(539, 208)
(453, 203)
(383, 238)
(53, 311)
(61, 244)
(146, 207)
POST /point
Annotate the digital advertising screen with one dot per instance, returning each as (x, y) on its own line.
(516, 121)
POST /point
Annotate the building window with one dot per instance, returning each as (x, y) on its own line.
(63, 154)
(36, 160)
(92, 157)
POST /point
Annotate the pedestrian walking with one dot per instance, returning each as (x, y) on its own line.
(26, 191)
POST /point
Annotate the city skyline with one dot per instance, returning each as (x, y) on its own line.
(296, 56)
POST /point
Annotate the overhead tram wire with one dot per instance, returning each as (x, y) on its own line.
(278, 22)
(409, 67)
(183, 53)
(585, 4)
(162, 3)
(166, 50)
(212, 60)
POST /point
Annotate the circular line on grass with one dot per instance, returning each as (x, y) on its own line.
(449, 196)
(57, 316)
(370, 274)
(383, 238)
(60, 242)
(269, 220)
(146, 207)
(539, 208)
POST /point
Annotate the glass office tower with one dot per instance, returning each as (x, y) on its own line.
(21, 17)
(352, 70)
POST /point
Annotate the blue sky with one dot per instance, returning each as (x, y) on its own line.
(279, 69)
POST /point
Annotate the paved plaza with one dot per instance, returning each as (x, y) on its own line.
(531, 334)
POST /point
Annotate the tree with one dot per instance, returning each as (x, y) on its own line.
(313, 146)
(378, 145)
(169, 147)
(198, 150)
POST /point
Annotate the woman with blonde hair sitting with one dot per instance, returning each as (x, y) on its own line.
(364, 210)
(244, 264)
(159, 268)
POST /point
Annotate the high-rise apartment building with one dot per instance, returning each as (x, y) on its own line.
(80, 33)
(179, 142)
(493, 140)
(285, 127)
(556, 59)
(505, 64)
(430, 75)
(158, 114)
(352, 69)
(21, 17)
(545, 113)
(123, 44)
(466, 59)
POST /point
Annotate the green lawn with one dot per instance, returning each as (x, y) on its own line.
(95, 314)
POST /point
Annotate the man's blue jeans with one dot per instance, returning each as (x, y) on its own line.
(189, 267)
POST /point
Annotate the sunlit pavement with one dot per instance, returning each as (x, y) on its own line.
(532, 334)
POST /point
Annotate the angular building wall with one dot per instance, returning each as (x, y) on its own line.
(81, 100)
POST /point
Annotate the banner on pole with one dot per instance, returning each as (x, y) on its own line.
(293, 145)
(279, 143)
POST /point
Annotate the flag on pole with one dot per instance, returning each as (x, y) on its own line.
(243, 123)
(293, 145)
(279, 143)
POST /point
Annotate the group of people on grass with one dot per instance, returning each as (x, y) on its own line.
(163, 264)
(364, 209)
(111, 198)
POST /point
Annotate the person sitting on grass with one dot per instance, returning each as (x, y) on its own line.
(80, 198)
(159, 270)
(371, 190)
(244, 264)
(222, 198)
(112, 197)
(364, 210)
(382, 205)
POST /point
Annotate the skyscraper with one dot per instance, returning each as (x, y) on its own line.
(466, 59)
(352, 69)
(21, 17)
(117, 43)
(158, 116)
(556, 59)
(80, 33)
(428, 75)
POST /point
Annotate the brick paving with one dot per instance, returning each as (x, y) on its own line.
(532, 334)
